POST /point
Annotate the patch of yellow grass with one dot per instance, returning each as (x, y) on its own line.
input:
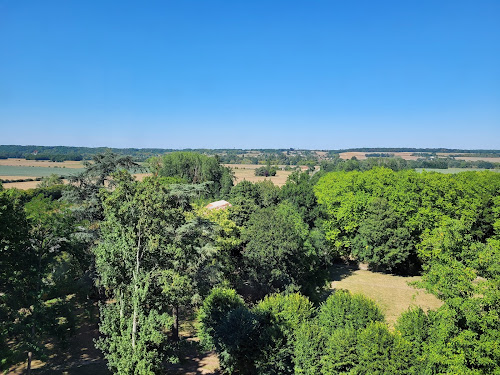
(140, 176)
(391, 293)
(40, 163)
(246, 172)
(17, 177)
(21, 185)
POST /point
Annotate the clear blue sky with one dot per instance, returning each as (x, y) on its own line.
(250, 74)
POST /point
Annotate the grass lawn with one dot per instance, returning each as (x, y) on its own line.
(391, 293)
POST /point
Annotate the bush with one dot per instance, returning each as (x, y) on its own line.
(266, 171)
(308, 347)
(339, 354)
(286, 314)
(344, 310)
(215, 309)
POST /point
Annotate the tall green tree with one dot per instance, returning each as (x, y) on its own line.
(36, 239)
(383, 241)
(14, 256)
(151, 261)
(50, 231)
(195, 168)
(279, 255)
(87, 184)
(298, 190)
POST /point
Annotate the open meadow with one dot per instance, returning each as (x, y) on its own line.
(392, 293)
(246, 172)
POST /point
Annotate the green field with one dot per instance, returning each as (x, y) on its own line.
(22, 171)
(454, 170)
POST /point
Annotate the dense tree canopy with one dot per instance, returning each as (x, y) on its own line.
(256, 269)
(151, 261)
(413, 204)
(195, 168)
(279, 254)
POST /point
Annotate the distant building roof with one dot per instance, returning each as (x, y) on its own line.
(218, 205)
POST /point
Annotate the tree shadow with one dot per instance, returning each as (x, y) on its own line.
(77, 353)
(341, 270)
(194, 360)
(337, 272)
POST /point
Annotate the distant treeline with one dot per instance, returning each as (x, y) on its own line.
(379, 155)
(280, 156)
(55, 157)
(426, 150)
(62, 153)
(399, 164)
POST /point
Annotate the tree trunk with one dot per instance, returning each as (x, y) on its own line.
(134, 326)
(121, 304)
(34, 313)
(175, 326)
(136, 289)
(28, 368)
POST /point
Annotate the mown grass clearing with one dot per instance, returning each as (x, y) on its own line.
(391, 293)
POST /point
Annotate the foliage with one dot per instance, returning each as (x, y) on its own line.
(36, 246)
(278, 254)
(265, 171)
(286, 314)
(382, 240)
(87, 184)
(298, 190)
(227, 240)
(228, 326)
(51, 180)
(344, 310)
(409, 205)
(195, 168)
(151, 259)
(253, 341)
(308, 348)
(215, 307)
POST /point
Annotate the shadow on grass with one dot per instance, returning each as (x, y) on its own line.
(194, 360)
(340, 271)
(99, 368)
(79, 355)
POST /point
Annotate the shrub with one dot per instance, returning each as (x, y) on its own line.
(215, 309)
(286, 314)
(344, 310)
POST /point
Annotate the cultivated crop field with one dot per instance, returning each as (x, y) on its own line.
(17, 169)
(24, 171)
(40, 163)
